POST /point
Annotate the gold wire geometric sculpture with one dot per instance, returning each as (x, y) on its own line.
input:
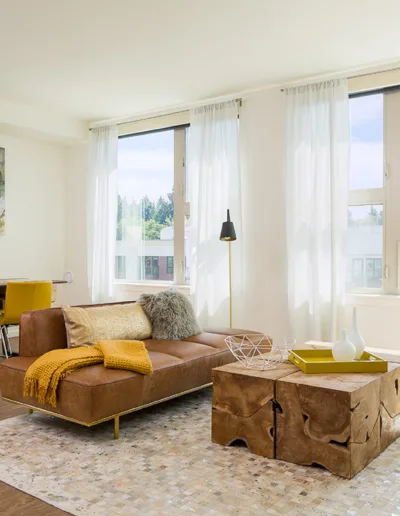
(257, 351)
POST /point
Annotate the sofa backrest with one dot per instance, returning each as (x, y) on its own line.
(41, 331)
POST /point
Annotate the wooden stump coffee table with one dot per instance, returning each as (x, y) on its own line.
(339, 421)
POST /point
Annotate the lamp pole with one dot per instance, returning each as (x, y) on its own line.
(228, 234)
(230, 284)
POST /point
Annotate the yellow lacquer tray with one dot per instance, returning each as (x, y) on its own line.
(322, 361)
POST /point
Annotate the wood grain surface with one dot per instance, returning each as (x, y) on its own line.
(338, 421)
(243, 406)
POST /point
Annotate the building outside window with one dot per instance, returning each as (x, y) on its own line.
(153, 213)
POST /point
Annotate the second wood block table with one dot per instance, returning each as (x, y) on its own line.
(339, 421)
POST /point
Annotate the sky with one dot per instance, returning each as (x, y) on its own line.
(366, 152)
(146, 165)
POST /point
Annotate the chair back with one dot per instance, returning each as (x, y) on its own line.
(22, 296)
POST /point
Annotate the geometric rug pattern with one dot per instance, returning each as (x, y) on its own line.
(165, 464)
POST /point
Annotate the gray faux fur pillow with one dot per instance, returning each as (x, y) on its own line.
(171, 315)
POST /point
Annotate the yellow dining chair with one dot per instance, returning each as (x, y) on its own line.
(22, 296)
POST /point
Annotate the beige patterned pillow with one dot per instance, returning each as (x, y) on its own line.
(86, 326)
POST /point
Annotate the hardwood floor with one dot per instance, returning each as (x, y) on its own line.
(10, 409)
(14, 502)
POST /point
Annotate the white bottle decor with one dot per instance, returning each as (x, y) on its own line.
(355, 338)
(343, 350)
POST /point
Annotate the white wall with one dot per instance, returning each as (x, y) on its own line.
(77, 292)
(262, 131)
(33, 245)
(38, 123)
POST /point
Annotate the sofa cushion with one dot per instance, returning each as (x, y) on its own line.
(41, 331)
(209, 339)
(86, 326)
(180, 349)
(171, 314)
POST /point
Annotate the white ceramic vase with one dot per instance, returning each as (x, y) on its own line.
(343, 350)
(355, 337)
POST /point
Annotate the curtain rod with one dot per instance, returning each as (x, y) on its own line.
(355, 76)
(166, 112)
(377, 72)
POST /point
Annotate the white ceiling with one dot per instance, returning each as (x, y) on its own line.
(98, 59)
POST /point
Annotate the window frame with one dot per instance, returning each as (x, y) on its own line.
(181, 205)
(386, 195)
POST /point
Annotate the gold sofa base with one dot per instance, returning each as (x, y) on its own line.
(115, 417)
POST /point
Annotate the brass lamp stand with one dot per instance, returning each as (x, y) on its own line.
(228, 234)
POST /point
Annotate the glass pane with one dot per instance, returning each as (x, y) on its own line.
(365, 245)
(145, 220)
(366, 152)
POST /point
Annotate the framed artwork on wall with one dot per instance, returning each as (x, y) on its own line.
(2, 190)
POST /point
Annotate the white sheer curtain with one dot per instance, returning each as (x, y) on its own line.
(102, 211)
(130, 243)
(318, 146)
(214, 186)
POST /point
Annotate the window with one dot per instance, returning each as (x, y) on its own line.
(374, 193)
(152, 234)
(170, 264)
(150, 266)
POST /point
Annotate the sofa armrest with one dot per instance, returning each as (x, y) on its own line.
(41, 331)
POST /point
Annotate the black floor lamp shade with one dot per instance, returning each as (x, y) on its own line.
(228, 233)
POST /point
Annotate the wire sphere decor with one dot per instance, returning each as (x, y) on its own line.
(256, 351)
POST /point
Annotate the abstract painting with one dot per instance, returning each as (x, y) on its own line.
(2, 190)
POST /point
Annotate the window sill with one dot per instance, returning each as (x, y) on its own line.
(388, 300)
(128, 285)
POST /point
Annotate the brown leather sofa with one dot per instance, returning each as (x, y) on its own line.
(95, 394)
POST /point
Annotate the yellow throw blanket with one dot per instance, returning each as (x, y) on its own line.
(125, 354)
(44, 375)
